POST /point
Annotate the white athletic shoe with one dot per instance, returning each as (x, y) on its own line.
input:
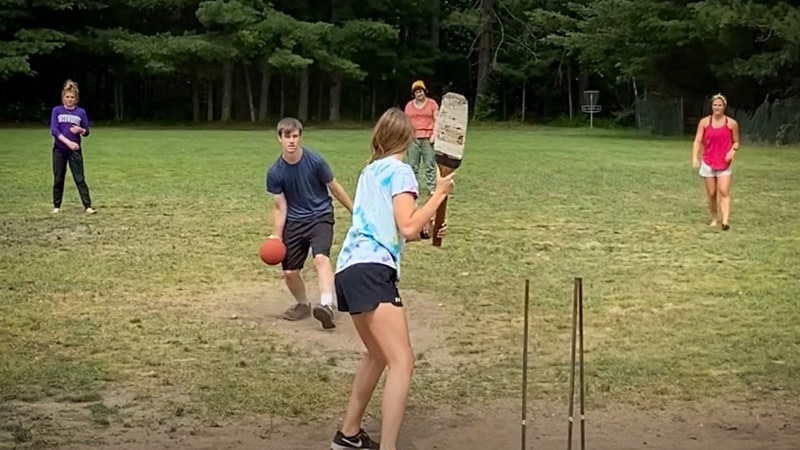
(90, 211)
(324, 313)
(56, 210)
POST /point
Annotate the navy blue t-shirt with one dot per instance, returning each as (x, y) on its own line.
(304, 184)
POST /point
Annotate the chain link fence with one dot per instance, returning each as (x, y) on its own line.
(775, 122)
(660, 114)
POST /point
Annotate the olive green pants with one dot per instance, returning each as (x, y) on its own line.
(422, 150)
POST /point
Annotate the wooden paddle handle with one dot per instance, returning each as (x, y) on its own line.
(438, 221)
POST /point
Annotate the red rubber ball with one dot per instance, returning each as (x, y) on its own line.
(272, 251)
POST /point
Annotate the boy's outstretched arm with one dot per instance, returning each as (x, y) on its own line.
(340, 194)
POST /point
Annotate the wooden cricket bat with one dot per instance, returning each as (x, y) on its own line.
(451, 134)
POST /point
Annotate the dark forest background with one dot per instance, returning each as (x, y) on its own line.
(348, 60)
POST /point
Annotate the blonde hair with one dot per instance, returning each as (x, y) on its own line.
(719, 96)
(392, 135)
(71, 86)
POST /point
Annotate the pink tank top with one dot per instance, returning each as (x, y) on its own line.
(717, 142)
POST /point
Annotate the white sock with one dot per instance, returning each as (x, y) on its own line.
(326, 299)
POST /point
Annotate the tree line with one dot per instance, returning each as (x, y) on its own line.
(334, 60)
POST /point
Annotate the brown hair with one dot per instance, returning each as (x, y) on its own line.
(71, 86)
(289, 124)
(393, 134)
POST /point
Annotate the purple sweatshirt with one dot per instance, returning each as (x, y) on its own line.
(61, 119)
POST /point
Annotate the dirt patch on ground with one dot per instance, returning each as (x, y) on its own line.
(120, 420)
(714, 426)
(262, 305)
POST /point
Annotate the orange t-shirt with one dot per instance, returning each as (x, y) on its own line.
(423, 118)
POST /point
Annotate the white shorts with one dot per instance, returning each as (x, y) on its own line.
(707, 172)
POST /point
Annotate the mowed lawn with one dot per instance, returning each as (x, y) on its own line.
(674, 310)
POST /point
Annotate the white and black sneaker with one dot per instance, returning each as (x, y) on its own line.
(360, 440)
(324, 313)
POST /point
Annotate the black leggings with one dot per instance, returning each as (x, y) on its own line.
(75, 161)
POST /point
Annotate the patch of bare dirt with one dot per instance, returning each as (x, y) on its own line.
(69, 234)
(496, 426)
(262, 305)
(123, 421)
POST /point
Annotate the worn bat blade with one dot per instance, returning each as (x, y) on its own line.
(451, 133)
(451, 137)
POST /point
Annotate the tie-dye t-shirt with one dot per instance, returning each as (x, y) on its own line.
(374, 237)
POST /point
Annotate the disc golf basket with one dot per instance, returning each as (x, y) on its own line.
(590, 106)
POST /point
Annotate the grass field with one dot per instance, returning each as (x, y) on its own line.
(131, 299)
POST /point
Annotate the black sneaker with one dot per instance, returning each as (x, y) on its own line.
(360, 440)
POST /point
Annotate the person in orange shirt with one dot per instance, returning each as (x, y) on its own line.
(423, 110)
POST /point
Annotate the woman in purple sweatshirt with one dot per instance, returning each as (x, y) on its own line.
(68, 122)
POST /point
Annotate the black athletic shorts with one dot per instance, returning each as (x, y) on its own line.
(300, 236)
(362, 287)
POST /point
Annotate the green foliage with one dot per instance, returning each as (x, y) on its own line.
(11, 13)
(462, 18)
(284, 60)
(547, 47)
(662, 44)
(355, 36)
(521, 55)
(10, 65)
(67, 5)
(225, 15)
(486, 107)
(164, 53)
(269, 37)
(334, 47)
(771, 34)
(620, 39)
(330, 57)
(15, 55)
(159, 6)
(359, 40)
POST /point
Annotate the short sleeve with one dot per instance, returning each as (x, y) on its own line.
(403, 180)
(274, 182)
(324, 170)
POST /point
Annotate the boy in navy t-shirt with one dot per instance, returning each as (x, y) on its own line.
(299, 181)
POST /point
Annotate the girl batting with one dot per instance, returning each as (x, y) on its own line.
(368, 268)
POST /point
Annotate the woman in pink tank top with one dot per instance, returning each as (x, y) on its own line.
(718, 136)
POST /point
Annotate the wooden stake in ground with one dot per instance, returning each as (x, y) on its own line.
(451, 133)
